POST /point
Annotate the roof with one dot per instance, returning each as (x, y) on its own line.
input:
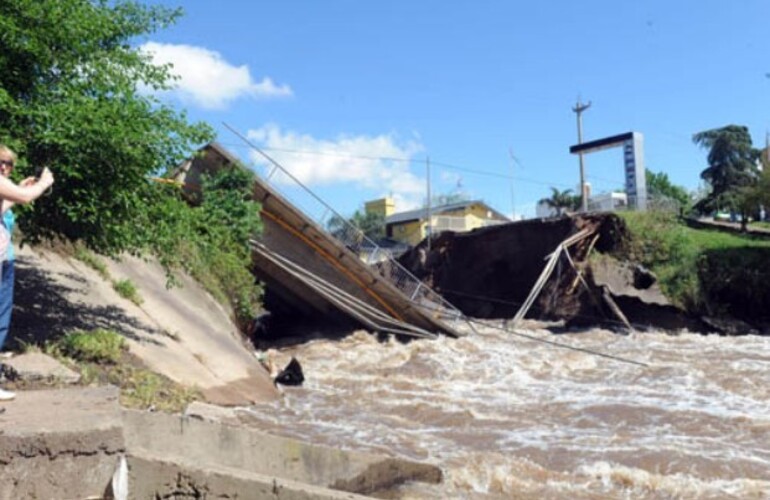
(421, 213)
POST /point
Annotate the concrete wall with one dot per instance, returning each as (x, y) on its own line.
(57, 444)
(160, 479)
(194, 443)
(60, 444)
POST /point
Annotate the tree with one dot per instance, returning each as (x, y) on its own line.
(561, 201)
(372, 225)
(208, 240)
(72, 98)
(732, 168)
(659, 186)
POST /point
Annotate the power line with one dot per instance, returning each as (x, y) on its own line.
(407, 160)
(560, 344)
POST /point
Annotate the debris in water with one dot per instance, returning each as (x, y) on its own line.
(291, 375)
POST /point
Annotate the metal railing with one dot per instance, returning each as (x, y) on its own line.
(321, 214)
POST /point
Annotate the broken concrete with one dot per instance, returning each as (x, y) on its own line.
(37, 367)
(192, 442)
(639, 296)
(60, 443)
(68, 443)
(154, 478)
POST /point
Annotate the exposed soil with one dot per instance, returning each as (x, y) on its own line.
(489, 272)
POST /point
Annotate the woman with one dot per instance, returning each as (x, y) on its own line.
(26, 191)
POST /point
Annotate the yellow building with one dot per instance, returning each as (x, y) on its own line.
(411, 227)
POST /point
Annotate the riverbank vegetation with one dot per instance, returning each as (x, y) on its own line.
(101, 357)
(78, 95)
(703, 271)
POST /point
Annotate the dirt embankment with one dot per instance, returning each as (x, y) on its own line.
(489, 272)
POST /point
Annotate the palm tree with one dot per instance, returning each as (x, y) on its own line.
(561, 201)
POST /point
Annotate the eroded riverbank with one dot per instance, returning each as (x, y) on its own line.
(506, 417)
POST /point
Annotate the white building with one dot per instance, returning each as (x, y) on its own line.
(608, 202)
(603, 202)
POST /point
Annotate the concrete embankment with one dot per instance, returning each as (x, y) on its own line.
(181, 333)
(68, 444)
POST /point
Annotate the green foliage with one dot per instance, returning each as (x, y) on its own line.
(102, 346)
(92, 261)
(660, 243)
(228, 207)
(71, 98)
(101, 357)
(659, 186)
(681, 258)
(372, 225)
(127, 290)
(561, 201)
(210, 240)
(731, 168)
(140, 388)
(738, 279)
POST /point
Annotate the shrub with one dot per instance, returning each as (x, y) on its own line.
(697, 268)
(128, 290)
(99, 346)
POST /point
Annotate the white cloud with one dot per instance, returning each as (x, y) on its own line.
(379, 163)
(207, 80)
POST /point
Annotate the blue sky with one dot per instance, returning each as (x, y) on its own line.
(353, 96)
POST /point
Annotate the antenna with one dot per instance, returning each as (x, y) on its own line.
(516, 161)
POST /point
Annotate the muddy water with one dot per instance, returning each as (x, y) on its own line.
(510, 418)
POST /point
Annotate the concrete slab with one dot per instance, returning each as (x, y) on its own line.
(181, 332)
(191, 442)
(156, 478)
(35, 367)
(62, 443)
(68, 443)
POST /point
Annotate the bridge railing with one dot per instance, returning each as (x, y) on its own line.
(327, 220)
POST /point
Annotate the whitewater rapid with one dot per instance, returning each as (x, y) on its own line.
(506, 417)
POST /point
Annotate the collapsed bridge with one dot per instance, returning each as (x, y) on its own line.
(318, 273)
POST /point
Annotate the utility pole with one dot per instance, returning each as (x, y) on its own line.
(430, 229)
(513, 200)
(578, 109)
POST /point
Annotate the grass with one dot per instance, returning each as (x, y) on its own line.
(101, 357)
(678, 254)
(99, 346)
(128, 290)
(88, 258)
(125, 288)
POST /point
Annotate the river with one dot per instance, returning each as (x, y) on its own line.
(507, 417)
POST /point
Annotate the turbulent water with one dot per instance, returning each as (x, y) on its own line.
(506, 417)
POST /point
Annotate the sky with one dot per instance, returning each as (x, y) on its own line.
(361, 99)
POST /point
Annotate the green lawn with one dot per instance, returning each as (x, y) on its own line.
(689, 262)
